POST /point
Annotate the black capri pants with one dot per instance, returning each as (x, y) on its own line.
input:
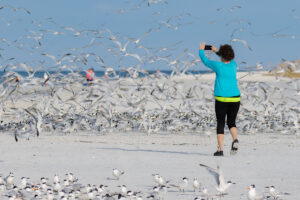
(223, 109)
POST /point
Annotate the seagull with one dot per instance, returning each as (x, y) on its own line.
(23, 182)
(162, 181)
(9, 179)
(66, 182)
(252, 195)
(156, 178)
(71, 178)
(117, 173)
(136, 41)
(218, 175)
(135, 56)
(229, 9)
(156, 1)
(109, 71)
(31, 71)
(122, 48)
(123, 189)
(196, 185)
(274, 193)
(37, 118)
(76, 32)
(182, 185)
(198, 198)
(55, 179)
(101, 188)
(46, 77)
(57, 187)
(43, 180)
(242, 41)
(15, 9)
(58, 61)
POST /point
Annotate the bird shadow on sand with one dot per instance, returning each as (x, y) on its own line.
(186, 192)
(111, 179)
(154, 151)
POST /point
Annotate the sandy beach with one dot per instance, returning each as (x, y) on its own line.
(263, 160)
(158, 135)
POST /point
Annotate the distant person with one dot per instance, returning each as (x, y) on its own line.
(90, 76)
(226, 92)
(157, 73)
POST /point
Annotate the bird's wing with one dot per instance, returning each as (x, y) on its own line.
(213, 172)
(50, 56)
(221, 176)
(117, 42)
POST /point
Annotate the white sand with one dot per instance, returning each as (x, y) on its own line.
(263, 160)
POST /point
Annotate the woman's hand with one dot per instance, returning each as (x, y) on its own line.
(202, 46)
(214, 49)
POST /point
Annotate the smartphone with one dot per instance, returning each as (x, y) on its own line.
(208, 47)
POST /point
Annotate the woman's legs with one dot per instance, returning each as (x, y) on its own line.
(231, 118)
(221, 110)
(233, 132)
(220, 138)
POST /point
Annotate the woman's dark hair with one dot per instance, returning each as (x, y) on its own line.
(226, 52)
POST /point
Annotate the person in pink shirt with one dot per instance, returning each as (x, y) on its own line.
(90, 75)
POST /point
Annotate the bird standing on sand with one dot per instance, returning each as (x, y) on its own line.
(117, 173)
(196, 185)
(252, 195)
(9, 180)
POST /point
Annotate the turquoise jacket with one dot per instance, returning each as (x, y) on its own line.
(226, 82)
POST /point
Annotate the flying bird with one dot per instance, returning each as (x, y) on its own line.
(242, 41)
(15, 9)
(219, 177)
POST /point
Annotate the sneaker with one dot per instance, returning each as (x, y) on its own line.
(218, 153)
(234, 147)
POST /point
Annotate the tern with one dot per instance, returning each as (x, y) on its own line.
(15, 9)
(136, 41)
(252, 195)
(9, 179)
(123, 189)
(196, 185)
(122, 48)
(156, 178)
(117, 173)
(242, 41)
(162, 181)
(218, 175)
(274, 193)
(182, 185)
(55, 179)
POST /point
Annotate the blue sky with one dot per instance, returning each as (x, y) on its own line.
(209, 21)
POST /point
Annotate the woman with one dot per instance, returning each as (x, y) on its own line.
(226, 92)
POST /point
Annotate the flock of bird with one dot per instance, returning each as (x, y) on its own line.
(153, 103)
(71, 189)
(149, 103)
